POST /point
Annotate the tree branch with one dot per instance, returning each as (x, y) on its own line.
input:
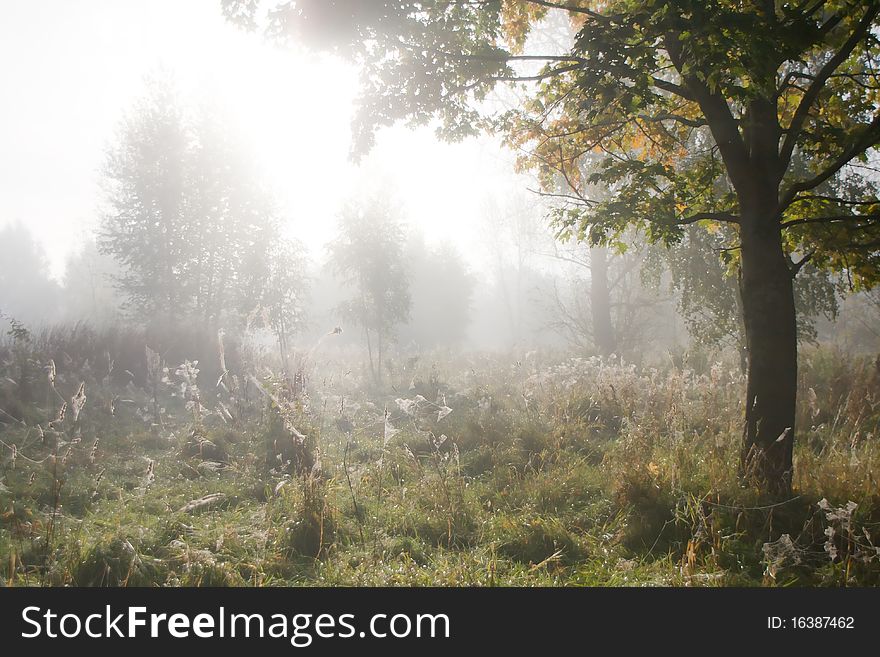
(568, 197)
(673, 88)
(575, 9)
(812, 94)
(694, 123)
(830, 219)
(797, 266)
(721, 122)
(870, 137)
(833, 199)
(501, 57)
(534, 78)
(725, 217)
(812, 10)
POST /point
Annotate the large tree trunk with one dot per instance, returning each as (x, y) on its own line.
(750, 150)
(771, 340)
(600, 302)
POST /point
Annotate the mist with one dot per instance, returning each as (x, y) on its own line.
(378, 313)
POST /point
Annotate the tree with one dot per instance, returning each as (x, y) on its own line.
(614, 317)
(27, 293)
(279, 288)
(144, 227)
(89, 292)
(441, 290)
(619, 309)
(512, 235)
(368, 253)
(698, 107)
(707, 292)
(197, 235)
(233, 225)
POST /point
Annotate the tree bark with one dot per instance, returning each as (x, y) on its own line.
(771, 340)
(600, 302)
(370, 352)
(379, 341)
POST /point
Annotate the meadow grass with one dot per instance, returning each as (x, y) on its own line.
(478, 471)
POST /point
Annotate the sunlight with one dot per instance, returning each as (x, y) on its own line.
(597, 307)
(291, 109)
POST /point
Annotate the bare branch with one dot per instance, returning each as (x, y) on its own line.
(568, 197)
(535, 78)
(501, 57)
(812, 10)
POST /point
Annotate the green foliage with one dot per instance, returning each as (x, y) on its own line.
(689, 103)
(708, 288)
(451, 54)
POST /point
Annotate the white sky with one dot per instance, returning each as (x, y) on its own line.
(71, 69)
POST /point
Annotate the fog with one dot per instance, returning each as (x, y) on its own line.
(83, 69)
(80, 70)
(440, 292)
(78, 67)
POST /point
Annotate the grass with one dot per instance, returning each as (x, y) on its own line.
(547, 472)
